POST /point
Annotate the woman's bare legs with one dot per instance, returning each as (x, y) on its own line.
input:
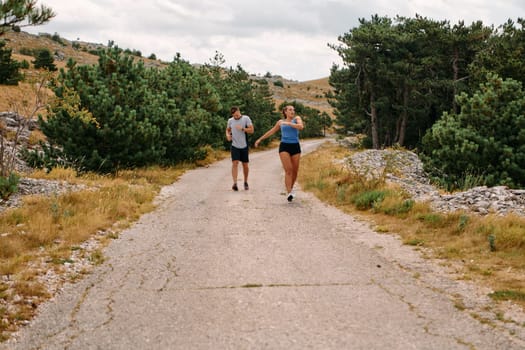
(291, 169)
(295, 167)
(286, 160)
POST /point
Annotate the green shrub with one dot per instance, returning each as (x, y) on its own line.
(9, 68)
(432, 219)
(483, 144)
(367, 200)
(44, 59)
(507, 295)
(26, 51)
(8, 185)
(463, 222)
(56, 38)
(24, 64)
(396, 207)
(50, 157)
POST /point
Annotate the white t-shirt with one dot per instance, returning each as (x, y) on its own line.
(239, 136)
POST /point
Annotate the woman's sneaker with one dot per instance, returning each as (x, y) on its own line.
(290, 197)
(234, 187)
(246, 187)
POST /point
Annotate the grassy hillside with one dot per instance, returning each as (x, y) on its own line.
(310, 93)
(20, 41)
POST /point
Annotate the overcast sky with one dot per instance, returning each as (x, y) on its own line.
(284, 37)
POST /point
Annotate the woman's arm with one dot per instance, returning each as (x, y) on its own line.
(297, 125)
(269, 133)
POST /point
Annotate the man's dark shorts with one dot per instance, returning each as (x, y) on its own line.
(240, 154)
(291, 148)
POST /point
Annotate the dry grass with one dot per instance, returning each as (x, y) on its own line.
(22, 40)
(49, 228)
(213, 155)
(489, 250)
(25, 90)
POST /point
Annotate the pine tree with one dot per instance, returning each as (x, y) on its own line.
(504, 54)
(104, 119)
(235, 88)
(13, 13)
(484, 141)
(400, 76)
(44, 59)
(9, 69)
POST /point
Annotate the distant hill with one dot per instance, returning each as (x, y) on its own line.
(310, 93)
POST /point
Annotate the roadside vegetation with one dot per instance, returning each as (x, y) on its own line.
(45, 230)
(50, 228)
(453, 92)
(124, 128)
(486, 249)
(42, 234)
(121, 136)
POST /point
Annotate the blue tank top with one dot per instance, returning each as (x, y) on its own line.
(289, 134)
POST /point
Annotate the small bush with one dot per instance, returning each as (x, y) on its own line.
(394, 205)
(492, 242)
(508, 295)
(367, 200)
(415, 242)
(56, 38)
(26, 51)
(463, 222)
(48, 158)
(8, 185)
(431, 219)
(44, 59)
(24, 64)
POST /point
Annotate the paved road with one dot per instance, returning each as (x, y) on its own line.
(217, 269)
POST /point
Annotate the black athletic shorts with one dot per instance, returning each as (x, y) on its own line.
(240, 154)
(291, 148)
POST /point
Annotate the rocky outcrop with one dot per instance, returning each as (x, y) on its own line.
(29, 186)
(15, 123)
(406, 169)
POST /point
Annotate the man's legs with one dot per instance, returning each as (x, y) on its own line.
(235, 167)
(245, 171)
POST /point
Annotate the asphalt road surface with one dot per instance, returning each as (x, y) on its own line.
(216, 269)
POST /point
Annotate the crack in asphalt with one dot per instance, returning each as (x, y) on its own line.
(273, 285)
